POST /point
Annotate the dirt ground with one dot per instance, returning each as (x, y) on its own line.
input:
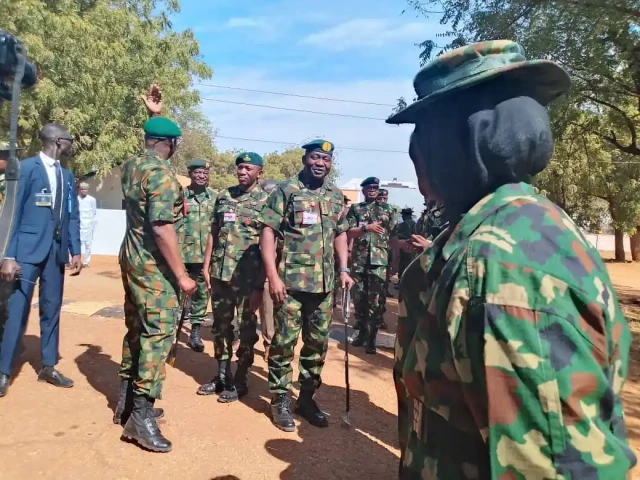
(51, 433)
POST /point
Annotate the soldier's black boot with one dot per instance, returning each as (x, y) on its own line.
(230, 393)
(195, 340)
(219, 381)
(281, 415)
(125, 404)
(307, 407)
(372, 333)
(142, 427)
(361, 338)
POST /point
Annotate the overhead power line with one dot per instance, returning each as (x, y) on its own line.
(294, 109)
(294, 143)
(360, 102)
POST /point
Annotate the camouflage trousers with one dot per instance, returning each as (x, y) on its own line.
(6, 289)
(151, 310)
(311, 313)
(370, 293)
(226, 297)
(200, 298)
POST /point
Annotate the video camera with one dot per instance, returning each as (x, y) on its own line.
(15, 73)
(11, 55)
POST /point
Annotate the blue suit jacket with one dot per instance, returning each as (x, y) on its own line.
(33, 231)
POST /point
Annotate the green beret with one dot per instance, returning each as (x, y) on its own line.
(198, 163)
(473, 64)
(383, 191)
(250, 158)
(370, 181)
(161, 127)
(319, 145)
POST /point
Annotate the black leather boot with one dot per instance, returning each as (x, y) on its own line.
(230, 393)
(361, 338)
(195, 340)
(219, 381)
(281, 415)
(372, 333)
(125, 404)
(307, 407)
(239, 387)
(142, 427)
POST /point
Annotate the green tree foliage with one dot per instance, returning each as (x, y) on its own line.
(95, 58)
(598, 42)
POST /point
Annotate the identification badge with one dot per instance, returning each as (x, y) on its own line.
(309, 218)
(43, 199)
(229, 217)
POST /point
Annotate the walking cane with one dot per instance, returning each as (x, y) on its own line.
(186, 305)
(346, 310)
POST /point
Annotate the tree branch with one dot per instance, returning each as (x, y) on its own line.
(632, 148)
(602, 6)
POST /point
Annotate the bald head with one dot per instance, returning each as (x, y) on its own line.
(51, 131)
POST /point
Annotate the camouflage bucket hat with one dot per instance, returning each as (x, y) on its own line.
(471, 65)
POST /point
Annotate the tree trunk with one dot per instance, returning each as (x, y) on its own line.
(619, 239)
(635, 246)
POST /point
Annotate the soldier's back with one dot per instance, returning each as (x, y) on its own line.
(151, 193)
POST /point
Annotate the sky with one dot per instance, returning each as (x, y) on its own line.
(353, 50)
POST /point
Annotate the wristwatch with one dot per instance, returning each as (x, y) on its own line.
(363, 228)
(344, 270)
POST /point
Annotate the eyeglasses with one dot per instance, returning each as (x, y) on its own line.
(68, 139)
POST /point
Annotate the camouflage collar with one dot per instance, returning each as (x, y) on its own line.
(483, 209)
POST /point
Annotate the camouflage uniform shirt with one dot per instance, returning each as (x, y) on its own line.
(404, 230)
(307, 221)
(511, 350)
(430, 223)
(371, 249)
(152, 193)
(198, 215)
(236, 250)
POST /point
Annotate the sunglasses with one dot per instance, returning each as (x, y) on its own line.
(68, 139)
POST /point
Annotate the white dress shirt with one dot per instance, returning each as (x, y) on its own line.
(49, 166)
(88, 211)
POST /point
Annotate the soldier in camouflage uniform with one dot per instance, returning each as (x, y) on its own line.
(403, 232)
(383, 197)
(197, 209)
(153, 274)
(512, 350)
(306, 213)
(370, 225)
(233, 267)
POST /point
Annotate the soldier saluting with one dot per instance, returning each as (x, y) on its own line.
(233, 271)
(307, 214)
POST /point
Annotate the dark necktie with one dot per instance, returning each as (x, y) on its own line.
(57, 206)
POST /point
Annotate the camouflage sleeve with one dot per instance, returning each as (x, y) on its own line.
(162, 192)
(342, 226)
(538, 355)
(273, 212)
(351, 217)
(215, 221)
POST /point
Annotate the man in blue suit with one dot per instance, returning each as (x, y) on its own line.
(46, 229)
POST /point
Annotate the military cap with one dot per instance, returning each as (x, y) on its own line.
(84, 186)
(161, 127)
(198, 163)
(370, 181)
(345, 199)
(383, 191)
(269, 185)
(471, 65)
(251, 158)
(406, 211)
(319, 145)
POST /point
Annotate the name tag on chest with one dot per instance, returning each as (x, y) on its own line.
(229, 217)
(309, 218)
(43, 200)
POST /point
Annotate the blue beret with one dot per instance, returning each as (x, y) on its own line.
(250, 158)
(319, 145)
(370, 181)
(161, 127)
